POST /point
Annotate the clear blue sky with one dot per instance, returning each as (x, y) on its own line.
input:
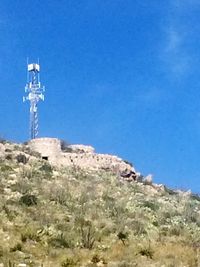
(120, 75)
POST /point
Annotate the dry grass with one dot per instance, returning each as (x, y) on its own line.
(76, 207)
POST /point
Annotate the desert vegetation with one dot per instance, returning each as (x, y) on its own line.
(71, 217)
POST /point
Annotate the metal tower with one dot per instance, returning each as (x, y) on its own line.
(35, 94)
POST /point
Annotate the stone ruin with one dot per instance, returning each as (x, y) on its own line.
(81, 156)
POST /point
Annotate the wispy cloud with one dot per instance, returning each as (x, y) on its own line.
(151, 97)
(175, 53)
(174, 40)
(185, 3)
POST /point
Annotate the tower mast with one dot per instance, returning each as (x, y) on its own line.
(35, 94)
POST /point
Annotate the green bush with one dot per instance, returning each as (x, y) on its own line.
(60, 242)
(151, 205)
(69, 262)
(5, 168)
(170, 191)
(46, 167)
(29, 235)
(122, 236)
(139, 227)
(28, 200)
(148, 252)
(21, 186)
(9, 157)
(3, 141)
(17, 247)
(96, 258)
(11, 214)
(195, 197)
(21, 158)
(175, 230)
(87, 232)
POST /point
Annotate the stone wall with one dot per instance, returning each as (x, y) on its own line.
(95, 161)
(80, 156)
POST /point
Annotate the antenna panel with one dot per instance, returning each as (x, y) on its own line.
(34, 67)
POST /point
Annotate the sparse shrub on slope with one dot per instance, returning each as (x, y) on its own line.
(6, 168)
(17, 247)
(151, 205)
(123, 236)
(69, 262)
(60, 241)
(89, 215)
(146, 252)
(29, 234)
(21, 158)
(86, 231)
(29, 200)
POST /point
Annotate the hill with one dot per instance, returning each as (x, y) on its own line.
(55, 215)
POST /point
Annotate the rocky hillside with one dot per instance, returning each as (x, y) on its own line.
(67, 216)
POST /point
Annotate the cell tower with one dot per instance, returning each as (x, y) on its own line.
(35, 94)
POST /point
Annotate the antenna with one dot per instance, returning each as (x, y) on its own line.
(35, 94)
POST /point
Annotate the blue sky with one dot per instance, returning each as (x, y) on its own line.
(122, 76)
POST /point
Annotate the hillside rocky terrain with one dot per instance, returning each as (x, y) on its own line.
(65, 215)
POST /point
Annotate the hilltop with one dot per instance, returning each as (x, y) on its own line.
(67, 215)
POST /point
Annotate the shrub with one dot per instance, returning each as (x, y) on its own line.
(8, 150)
(46, 167)
(87, 232)
(3, 140)
(9, 213)
(45, 171)
(5, 168)
(148, 252)
(17, 247)
(68, 262)
(58, 194)
(151, 205)
(128, 162)
(29, 235)
(139, 227)
(60, 242)
(64, 146)
(170, 191)
(21, 186)
(1, 251)
(126, 264)
(21, 158)
(95, 259)
(28, 200)
(195, 197)
(9, 157)
(122, 236)
(175, 231)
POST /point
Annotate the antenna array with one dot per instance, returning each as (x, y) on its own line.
(35, 94)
